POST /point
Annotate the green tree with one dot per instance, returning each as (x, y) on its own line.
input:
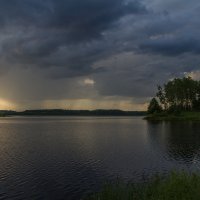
(162, 97)
(154, 107)
(180, 94)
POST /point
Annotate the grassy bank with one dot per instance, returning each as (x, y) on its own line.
(183, 116)
(176, 186)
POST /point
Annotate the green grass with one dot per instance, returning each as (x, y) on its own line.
(176, 186)
(183, 116)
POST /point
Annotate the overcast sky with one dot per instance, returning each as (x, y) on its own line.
(88, 54)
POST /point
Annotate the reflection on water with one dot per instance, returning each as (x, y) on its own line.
(181, 140)
(68, 157)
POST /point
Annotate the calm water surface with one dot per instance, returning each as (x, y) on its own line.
(69, 157)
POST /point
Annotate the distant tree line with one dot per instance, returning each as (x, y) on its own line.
(62, 112)
(179, 94)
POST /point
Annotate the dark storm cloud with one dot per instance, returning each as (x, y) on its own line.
(172, 47)
(59, 33)
(126, 46)
(174, 31)
(78, 20)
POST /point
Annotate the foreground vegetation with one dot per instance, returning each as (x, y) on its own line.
(176, 186)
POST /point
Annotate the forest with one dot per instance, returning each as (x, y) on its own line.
(179, 94)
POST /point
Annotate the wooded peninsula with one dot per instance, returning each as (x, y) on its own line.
(179, 99)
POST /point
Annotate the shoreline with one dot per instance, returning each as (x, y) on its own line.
(182, 116)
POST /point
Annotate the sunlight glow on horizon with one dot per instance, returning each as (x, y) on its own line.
(74, 104)
(6, 105)
(90, 104)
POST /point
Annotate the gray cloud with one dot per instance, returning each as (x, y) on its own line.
(126, 47)
(59, 33)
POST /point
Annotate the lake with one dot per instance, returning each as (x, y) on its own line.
(70, 157)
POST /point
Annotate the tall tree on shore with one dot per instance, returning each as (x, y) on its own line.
(180, 94)
(154, 107)
(162, 97)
